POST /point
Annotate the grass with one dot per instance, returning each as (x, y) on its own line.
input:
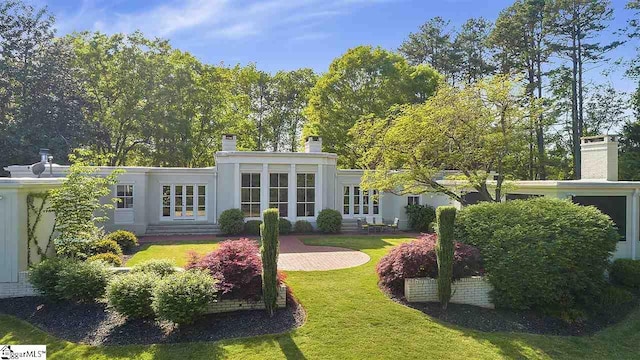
(176, 251)
(349, 318)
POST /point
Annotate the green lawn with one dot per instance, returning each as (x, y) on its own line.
(349, 318)
(176, 251)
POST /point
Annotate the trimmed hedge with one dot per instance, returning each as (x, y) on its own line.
(329, 221)
(284, 226)
(541, 253)
(418, 259)
(626, 272)
(131, 294)
(126, 239)
(106, 246)
(231, 221)
(302, 227)
(82, 280)
(109, 258)
(420, 217)
(160, 267)
(45, 276)
(252, 227)
(183, 296)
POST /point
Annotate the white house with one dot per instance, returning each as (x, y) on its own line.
(162, 200)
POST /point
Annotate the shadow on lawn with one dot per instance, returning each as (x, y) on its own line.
(289, 347)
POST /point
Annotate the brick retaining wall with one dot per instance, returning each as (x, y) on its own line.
(18, 289)
(472, 291)
(234, 305)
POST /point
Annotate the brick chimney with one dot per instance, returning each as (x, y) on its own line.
(228, 142)
(313, 144)
(599, 157)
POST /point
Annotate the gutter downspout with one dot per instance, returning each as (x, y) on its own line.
(634, 221)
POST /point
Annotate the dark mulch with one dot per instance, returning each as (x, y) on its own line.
(96, 324)
(503, 320)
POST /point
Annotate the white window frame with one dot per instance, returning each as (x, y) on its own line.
(279, 189)
(122, 198)
(415, 197)
(306, 188)
(252, 202)
(172, 202)
(357, 200)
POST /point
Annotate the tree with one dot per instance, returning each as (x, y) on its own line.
(474, 130)
(630, 152)
(575, 26)
(364, 81)
(605, 110)
(40, 104)
(470, 46)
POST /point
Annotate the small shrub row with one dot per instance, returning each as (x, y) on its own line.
(232, 223)
(95, 246)
(70, 279)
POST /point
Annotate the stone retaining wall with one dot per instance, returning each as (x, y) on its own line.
(235, 305)
(18, 289)
(471, 291)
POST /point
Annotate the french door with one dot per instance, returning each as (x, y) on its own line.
(184, 202)
(357, 202)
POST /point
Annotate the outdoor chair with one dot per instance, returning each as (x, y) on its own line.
(394, 227)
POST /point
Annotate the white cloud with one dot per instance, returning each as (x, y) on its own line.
(230, 19)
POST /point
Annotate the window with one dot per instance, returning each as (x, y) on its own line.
(279, 193)
(345, 201)
(306, 194)
(413, 200)
(376, 204)
(365, 202)
(250, 195)
(356, 200)
(202, 195)
(177, 201)
(166, 200)
(614, 206)
(124, 194)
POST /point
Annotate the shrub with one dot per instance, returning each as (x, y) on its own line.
(445, 217)
(269, 253)
(126, 239)
(237, 266)
(183, 296)
(105, 246)
(420, 217)
(252, 227)
(302, 227)
(131, 294)
(109, 258)
(83, 281)
(329, 221)
(231, 221)
(626, 272)
(418, 259)
(284, 226)
(80, 246)
(540, 253)
(45, 276)
(160, 267)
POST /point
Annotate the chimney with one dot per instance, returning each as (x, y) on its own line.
(313, 144)
(44, 155)
(599, 157)
(228, 142)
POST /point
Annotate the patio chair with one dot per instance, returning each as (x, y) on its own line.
(364, 225)
(394, 227)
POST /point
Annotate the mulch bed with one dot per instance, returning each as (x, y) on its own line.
(96, 324)
(502, 320)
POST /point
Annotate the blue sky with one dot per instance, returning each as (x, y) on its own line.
(286, 34)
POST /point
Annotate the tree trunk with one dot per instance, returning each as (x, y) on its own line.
(575, 125)
(542, 157)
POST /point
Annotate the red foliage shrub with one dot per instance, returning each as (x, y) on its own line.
(237, 266)
(418, 259)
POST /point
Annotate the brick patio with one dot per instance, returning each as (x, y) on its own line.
(296, 256)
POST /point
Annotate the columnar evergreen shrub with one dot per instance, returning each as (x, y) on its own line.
(284, 226)
(626, 272)
(302, 227)
(160, 267)
(131, 294)
(269, 232)
(237, 266)
(420, 217)
(329, 221)
(183, 296)
(418, 259)
(109, 258)
(83, 280)
(540, 253)
(252, 227)
(126, 239)
(231, 221)
(45, 276)
(445, 218)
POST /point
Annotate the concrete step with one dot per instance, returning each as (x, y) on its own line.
(183, 229)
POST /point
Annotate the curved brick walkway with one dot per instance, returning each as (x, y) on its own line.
(295, 255)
